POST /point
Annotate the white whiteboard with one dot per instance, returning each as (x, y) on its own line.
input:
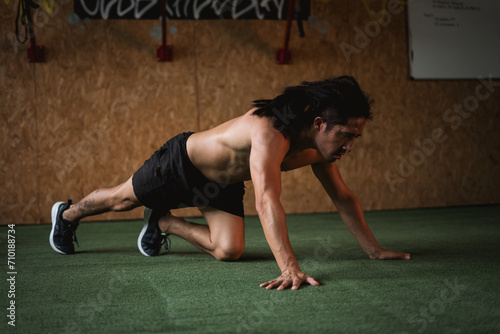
(451, 39)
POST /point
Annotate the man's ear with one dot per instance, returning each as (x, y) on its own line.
(318, 121)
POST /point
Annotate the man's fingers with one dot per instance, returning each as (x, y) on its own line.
(285, 284)
(281, 283)
(400, 256)
(266, 284)
(275, 284)
(296, 283)
(312, 281)
(278, 285)
(389, 255)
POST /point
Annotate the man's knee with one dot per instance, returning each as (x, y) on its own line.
(229, 251)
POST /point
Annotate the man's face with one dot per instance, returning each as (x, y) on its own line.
(333, 143)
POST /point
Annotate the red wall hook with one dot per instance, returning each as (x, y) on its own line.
(164, 52)
(283, 55)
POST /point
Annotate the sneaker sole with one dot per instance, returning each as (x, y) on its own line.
(147, 215)
(55, 210)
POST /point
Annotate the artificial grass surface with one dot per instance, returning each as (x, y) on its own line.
(449, 286)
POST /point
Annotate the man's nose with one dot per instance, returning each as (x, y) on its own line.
(348, 145)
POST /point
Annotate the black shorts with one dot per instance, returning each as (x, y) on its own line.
(169, 180)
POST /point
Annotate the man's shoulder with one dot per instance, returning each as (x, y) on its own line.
(263, 127)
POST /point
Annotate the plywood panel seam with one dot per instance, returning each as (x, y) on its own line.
(196, 87)
(37, 149)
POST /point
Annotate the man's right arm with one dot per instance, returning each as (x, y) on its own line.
(267, 154)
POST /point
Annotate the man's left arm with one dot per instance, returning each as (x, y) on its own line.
(351, 212)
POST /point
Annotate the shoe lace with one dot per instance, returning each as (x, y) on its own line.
(165, 241)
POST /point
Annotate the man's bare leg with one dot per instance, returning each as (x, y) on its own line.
(223, 238)
(120, 198)
(66, 217)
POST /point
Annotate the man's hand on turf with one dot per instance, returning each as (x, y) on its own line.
(290, 277)
(383, 254)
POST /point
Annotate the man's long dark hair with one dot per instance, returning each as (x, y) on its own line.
(335, 100)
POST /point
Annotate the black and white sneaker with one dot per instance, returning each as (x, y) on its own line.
(151, 238)
(63, 231)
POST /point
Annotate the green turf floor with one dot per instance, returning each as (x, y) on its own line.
(451, 285)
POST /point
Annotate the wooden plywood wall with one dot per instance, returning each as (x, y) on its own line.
(101, 104)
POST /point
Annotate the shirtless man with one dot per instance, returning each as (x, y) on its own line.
(311, 124)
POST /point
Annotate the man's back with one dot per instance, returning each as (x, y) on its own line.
(222, 153)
